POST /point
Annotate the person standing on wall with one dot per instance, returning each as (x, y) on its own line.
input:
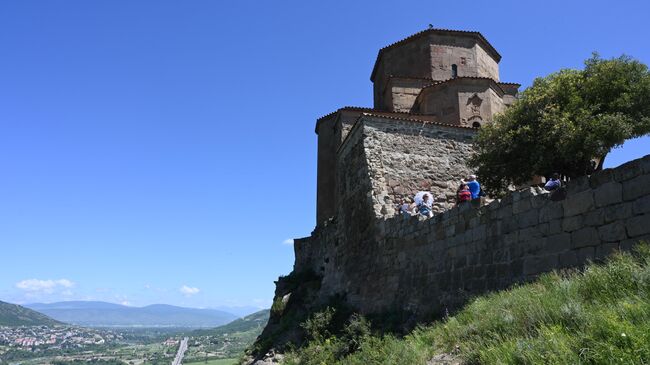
(464, 194)
(474, 187)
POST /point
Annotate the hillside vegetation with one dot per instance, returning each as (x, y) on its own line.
(600, 315)
(15, 315)
(226, 342)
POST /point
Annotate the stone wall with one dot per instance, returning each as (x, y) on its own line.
(405, 157)
(381, 263)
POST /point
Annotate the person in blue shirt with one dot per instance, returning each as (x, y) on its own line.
(554, 183)
(474, 187)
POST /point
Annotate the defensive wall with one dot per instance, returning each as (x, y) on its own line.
(380, 262)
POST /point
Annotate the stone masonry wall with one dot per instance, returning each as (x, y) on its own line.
(405, 157)
(427, 267)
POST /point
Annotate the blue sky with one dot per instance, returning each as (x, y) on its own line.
(164, 151)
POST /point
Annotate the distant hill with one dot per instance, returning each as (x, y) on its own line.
(15, 315)
(102, 314)
(235, 337)
(239, 311)
(253, 322)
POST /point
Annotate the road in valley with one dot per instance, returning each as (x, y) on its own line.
(178, 360)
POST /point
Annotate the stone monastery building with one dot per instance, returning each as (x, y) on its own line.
(432, 91)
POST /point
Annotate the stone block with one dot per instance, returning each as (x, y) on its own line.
(527, 219)
(636, 187)
(504, 211)
(606, 249)
(577, 185)
(551, 211)
(641, 205)
(479, 233)
(608, 194)
(629, 244)
(585, 254)
(529, 233)
(601, 177)
(568, 259)
(540, 264)
(516, 268)
(520, 206)
(555, 226)
(534, 246)
(558, 242)
(618, 212)
(637, 226)
(571, 224)
(540, 200)
(544, 229)
(500, 256)
(628, 170)
(595, 218)
(510, 224)
(578, 203)
(587, 236)
(612, 232)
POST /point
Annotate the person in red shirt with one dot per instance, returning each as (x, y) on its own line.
(464, 194)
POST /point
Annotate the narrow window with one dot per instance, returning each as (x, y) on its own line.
(454, 71)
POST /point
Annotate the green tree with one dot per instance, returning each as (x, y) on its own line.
(564, 121)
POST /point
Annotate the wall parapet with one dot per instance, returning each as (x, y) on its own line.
(427, 267)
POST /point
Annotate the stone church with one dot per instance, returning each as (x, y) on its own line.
(432, 90)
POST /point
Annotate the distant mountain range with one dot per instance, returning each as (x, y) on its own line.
(102, 314)
(13, 315)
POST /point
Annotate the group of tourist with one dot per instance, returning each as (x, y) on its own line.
(470, 189)
(422, 204)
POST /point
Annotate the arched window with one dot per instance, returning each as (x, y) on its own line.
(454, 71)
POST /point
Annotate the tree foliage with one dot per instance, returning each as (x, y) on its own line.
(563, 121)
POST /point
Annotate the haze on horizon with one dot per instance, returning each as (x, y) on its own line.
(159, 152)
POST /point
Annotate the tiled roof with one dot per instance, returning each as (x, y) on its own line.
(350, 108)
(371, 111)
(415, 120)
(460, 78)
(478, 35)
(509, 83)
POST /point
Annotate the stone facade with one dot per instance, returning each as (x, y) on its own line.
(443, 76)
(382, 263)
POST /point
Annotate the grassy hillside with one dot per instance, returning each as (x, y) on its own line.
(598, 316)
(228, 341)
(252, 322)
(15, 315)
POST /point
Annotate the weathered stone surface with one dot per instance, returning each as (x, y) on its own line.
(551, 211)
(637, 187)
(641, 205)
(423, 265)
(538, 264)
(574, 223)
(612, 232)
(587, 236)
(638, 225)
(609, 193)
(594, 218)
(618, 212)
(578, 203)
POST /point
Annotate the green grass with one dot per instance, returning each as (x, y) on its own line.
(214, 362)
(598, 316)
